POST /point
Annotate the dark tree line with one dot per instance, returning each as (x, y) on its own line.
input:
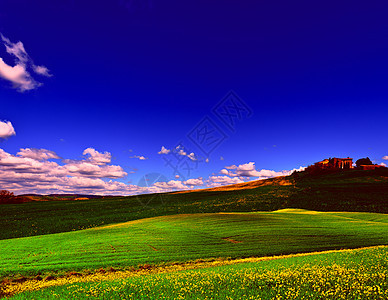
(7, 197)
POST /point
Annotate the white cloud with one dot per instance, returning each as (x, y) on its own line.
(141, 157)
(249, 170)
(192, 156)
(245, 170)
(164, 151)
(97, 157)
(182, 152)
(215, 181)
(42, 70)
(88, 169)
(242, 173)
(383, 164)
(18, 74)
(232, 167)
(37, 154)
(16, 49)
(385, 157)
(30, 171)
(224, 172)
(300, 169)
(6, 129)
(194, 182)
(170, 185)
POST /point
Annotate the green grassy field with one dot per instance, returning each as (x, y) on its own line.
(354, 274)
(182, 238)
(351, 190)
(133, 234)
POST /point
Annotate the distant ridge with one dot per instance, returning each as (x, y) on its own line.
(346, 190)
(296, 178)
(281, 180)
(347, 175)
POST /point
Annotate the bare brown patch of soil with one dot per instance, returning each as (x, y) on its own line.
(231, 240)
(153, 248)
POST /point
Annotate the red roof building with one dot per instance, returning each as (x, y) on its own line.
(335, 164)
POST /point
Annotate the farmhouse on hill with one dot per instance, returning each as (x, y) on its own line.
(335, 163)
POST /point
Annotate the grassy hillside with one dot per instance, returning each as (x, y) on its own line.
(351, 190)
(351, 274)
(182, 238)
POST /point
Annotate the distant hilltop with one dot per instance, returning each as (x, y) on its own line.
(335, 163)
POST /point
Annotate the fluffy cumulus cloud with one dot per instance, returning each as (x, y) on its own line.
(249, 170)
(182, 152)
(37, 154)
(179, 150)
(6, 129)
(385, 157)
(242, 173)
(168, 186)
(224, 172)
(215, 181)
(34, 171)
(96, 157)
(19, 75)
(42, 171)
(194, 182)
(164, 151)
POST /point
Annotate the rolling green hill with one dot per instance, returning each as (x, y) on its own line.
(187, 237)
(350, 274)
(351, 190)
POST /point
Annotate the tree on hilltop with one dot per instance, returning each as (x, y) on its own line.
(6, 196)
(363, 162)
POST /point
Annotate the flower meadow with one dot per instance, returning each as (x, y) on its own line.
(344, 274)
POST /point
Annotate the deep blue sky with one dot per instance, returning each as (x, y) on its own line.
(132, 74)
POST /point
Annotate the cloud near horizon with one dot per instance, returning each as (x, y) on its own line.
(215, 181)
(97, 157)
(6, 130)
(42, 171)
(32, 171)
(194, 182)
(249, 170)
(18, 74)
(37, 154)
